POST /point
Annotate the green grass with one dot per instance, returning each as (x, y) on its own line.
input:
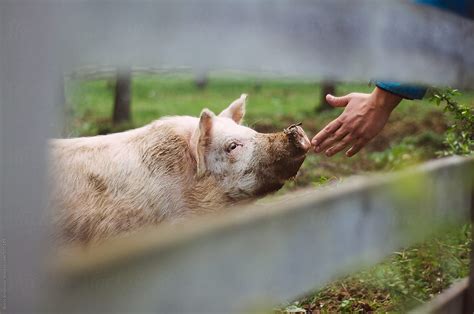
(154, 97)
(413, 134)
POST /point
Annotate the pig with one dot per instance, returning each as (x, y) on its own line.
(170, 170)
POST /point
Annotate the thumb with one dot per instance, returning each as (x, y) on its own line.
(337, 101)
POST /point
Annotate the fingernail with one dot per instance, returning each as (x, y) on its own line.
(314, 142)
(328, 153)
(317, 149)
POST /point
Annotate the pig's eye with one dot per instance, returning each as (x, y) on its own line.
(232, 146)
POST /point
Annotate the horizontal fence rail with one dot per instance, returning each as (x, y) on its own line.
(341, 40)
(108, 72)
(263, 254)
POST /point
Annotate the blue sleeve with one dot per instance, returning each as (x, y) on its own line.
(403, 90)
(462, 7)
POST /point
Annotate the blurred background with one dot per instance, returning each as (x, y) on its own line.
(99, 103)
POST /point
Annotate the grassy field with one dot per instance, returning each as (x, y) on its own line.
(413, 134)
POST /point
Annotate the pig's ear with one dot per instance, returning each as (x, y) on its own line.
(205, 123)
(236, 110)
(203, 139)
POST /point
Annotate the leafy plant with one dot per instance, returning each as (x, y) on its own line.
(397, 157)
(459, 139)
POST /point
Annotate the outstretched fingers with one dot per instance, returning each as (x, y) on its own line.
(324, 134)
(356, 147)
(340, 134)
(346, 141)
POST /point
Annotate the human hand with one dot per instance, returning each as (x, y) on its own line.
(363, 118)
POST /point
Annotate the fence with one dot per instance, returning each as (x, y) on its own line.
(257, 256)
(42, 40)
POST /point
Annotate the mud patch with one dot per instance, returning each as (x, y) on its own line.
(400, 127)
(97, 183)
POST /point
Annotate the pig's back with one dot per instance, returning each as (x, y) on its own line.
(108, 184)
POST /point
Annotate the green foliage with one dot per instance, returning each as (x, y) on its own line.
(399, 155)
(321, 180)
(459, 137)
(405, 280)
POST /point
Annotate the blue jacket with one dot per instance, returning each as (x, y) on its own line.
(461, 7)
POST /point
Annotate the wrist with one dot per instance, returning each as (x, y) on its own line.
(385, 99)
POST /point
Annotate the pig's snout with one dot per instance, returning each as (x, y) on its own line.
(298, 138)
(282, 157)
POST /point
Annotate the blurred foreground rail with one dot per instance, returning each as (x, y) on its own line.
(263, 254)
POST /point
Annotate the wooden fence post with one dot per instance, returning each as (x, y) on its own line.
(327, 87)
(201, 80)
(122, 100)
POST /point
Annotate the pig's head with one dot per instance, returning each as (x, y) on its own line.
(245, 163)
